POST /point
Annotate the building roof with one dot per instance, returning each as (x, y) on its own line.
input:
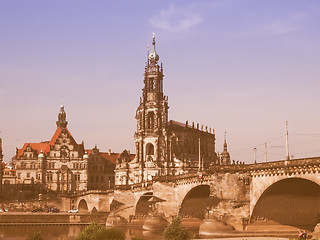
(111, 157)
(45, 146)
(181, 126)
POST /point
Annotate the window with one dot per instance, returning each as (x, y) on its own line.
(151, 84)
(150, 120)
(28, 174)
(19, 175)
(150, 149)
(49, 177)
(77, 177)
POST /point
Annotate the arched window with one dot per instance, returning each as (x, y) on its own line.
(150, 149)
(150, 120)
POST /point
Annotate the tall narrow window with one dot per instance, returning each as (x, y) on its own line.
(150, 123)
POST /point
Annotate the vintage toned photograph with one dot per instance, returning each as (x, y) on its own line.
(159, 120)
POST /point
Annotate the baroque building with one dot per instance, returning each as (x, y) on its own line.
(62, 164)
(163, 147)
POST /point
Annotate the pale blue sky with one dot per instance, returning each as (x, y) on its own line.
(241, 66)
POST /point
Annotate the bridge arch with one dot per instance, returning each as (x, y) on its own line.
(259, 184)
(196, 202)
(83, 206)
(292, 201)
(143, 207)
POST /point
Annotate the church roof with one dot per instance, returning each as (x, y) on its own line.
(176, 123)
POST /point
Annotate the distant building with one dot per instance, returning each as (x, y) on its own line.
(101, 167)
(8, 174)
(1, 165)
(163, 147)
(62, 164)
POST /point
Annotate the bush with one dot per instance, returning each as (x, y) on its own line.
(175, 231)
(98, 232)
(34, 236)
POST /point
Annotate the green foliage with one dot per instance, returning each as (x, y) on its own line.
(98, 232)
(175, 231)
(34, 236)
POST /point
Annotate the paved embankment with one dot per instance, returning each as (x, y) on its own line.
(10, 219)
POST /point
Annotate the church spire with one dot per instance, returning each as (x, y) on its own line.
(225, 156)
(62, 116)
(153, 56)
(225, 142)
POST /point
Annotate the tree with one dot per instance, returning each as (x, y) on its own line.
(34, 236)
(98, 232)
(175, 231)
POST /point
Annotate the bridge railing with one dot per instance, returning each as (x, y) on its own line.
(134, 186)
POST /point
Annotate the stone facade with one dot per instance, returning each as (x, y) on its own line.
(101, 167)
(57, 164)
(163, 147)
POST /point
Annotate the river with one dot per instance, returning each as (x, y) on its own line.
(70, 232)
(66, 232)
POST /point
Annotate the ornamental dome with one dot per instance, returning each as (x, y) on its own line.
(153, 56)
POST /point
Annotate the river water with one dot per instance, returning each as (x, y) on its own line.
(68, 232)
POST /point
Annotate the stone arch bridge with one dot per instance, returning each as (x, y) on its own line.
(234, 194)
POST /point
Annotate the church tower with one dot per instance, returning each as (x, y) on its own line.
(152, 119)
(225, 156)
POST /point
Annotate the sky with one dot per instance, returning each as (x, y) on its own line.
(239, 66)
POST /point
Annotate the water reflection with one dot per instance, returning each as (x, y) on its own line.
(47, 232)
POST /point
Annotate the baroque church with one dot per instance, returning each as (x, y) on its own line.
(165, 147)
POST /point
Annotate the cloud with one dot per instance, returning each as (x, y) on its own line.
(176, 19)
(275, 29)
(279, 27)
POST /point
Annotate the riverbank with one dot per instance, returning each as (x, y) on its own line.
(17, 219)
